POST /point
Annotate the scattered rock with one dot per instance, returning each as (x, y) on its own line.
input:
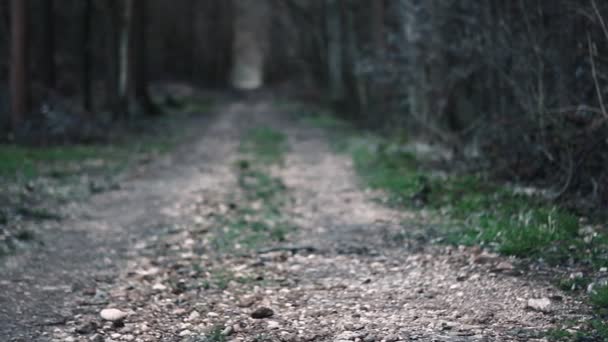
(193, 316)
(484, 258)
(96, 338)
(273, 325)
(113, 315)
(86, 328)
(391, 338)
(185, 333)
(347, 336)
(228, 331)
(540, 304)
(262, 312)
(503, 266)
(159, 287)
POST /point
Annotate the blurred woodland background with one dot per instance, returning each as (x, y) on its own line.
(516, 87)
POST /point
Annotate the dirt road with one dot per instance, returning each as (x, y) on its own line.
(351, 270)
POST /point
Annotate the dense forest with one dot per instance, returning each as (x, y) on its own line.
(519, 85)
(490, 117)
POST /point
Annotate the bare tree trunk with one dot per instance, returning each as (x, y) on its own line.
(334, 50)
(19, 77)
(139, 58)
(191, 40)
(49, 75)
(352, 50)
(124, 60)
(377, 24)
(250, 43)
(86, 55)
(111, 48)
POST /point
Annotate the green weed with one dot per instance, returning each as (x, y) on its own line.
(215, 335)
(599, 298)
(488, 214)
(265, 144)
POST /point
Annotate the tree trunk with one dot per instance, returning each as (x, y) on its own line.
(334, 50)
(49, 75)
(86, 56)
(18, 63)
(124, 60)
(139, 58)
(112, 16)
(249, 44)
(359, 91)
(377, 24)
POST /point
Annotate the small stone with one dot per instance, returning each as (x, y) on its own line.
(194, 315)
(347, 336)
(86, 328)
(503, 266)
(185, 333)
(96, 338)
(369, 338)
(159, 287)
(391, 338)
(541, 304)
(262, 312)
(273, 325)
(228, 331)
(484, 258)
(113, 315)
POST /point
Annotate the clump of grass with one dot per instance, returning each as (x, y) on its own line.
(215, 335)
(265, 144)
(259, 219)
(30, 162)
(594, 330)
(488, 214)
(341, 130)
(259, 185)
(599, 299)
(573, 284)
(324, 120)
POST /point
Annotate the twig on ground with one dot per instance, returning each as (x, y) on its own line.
(292, 249)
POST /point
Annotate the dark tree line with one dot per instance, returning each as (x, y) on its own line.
(521, 84)
(97, 56)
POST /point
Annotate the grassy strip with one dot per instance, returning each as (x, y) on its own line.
(265, 144)
(488, 214)
(257, 218)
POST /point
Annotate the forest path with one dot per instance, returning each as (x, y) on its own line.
(349, 272)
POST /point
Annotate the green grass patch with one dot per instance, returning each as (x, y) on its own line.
(599, 299)
(265, 144)
(488, 214)
(573, 284)
(258, 185)
(215, 335)
(30, 162)
(341, 130)
(257, 219)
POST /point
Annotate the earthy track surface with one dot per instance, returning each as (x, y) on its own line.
(350, 272)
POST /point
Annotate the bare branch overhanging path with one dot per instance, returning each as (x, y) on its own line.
(346, 273)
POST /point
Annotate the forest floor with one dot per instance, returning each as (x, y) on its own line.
(257, 230)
